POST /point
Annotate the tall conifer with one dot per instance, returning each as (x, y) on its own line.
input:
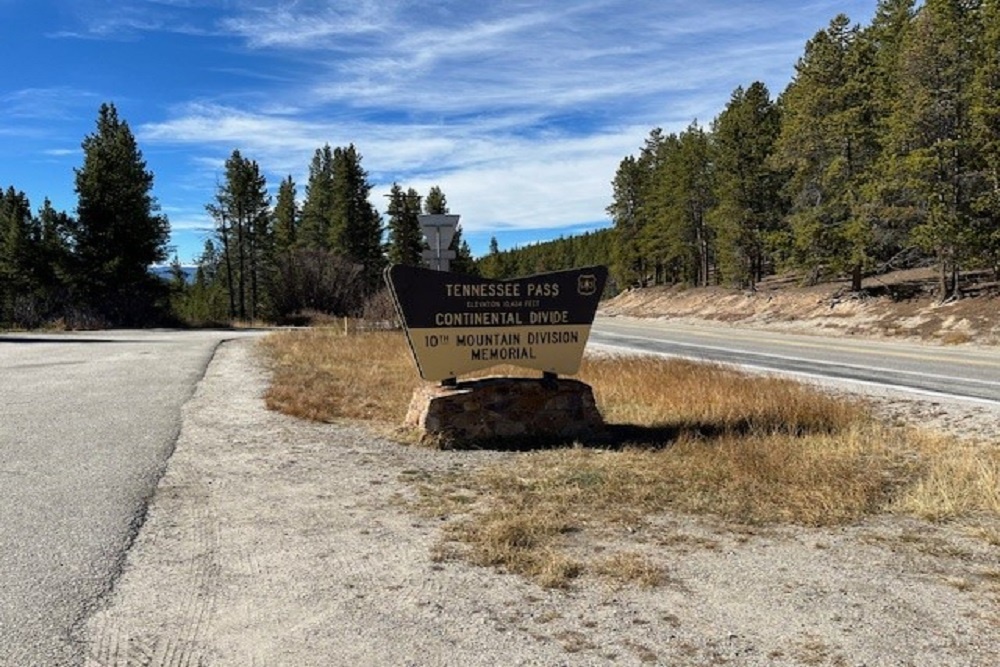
(286, 217)
(933, 164)
(828, 144)
(317, 210)
(749, 210)
(119, 231)
(405, 238)
(355, 225)
(243, 225)
(986, 127)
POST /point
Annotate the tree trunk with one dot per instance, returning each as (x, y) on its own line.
(856, 276)
(229, 269)
(943, 280)
(241, 249)
(253, 274)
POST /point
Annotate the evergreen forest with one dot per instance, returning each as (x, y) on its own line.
(883, 152)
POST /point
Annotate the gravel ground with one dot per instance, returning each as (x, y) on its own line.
(272, 542)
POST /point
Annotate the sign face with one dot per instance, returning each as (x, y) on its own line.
(439, 229)
(457, 323)
(432, 254)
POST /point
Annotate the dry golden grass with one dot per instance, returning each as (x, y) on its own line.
(630, 568)
(325, 375)
(653, 391)
(958, 479)
(536, 504)
(685, 437)
(955, 338)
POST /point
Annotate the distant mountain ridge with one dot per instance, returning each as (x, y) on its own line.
(166, 272)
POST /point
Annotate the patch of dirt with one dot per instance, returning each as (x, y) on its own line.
(902, 304)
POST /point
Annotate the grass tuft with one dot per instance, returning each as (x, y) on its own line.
(957, 479)
(520, 541)
(630, 568)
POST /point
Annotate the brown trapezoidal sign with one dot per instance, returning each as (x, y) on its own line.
(457, 323)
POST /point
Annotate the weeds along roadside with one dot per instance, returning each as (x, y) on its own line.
(746, 449)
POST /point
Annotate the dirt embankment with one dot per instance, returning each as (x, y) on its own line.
(900, 304)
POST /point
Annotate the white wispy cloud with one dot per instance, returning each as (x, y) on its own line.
(561, 179)
(51, 103)
(477, 102)
(520, 111)
(297, 25)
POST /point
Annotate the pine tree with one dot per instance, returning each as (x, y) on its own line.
(636, 205)
(464, 262)
(678, 239)
(435, 203)
(491, 266)
(318, 208)
(286, 217)
(934, 168)
(750, 209)
(883, 201)
(355, 225)
(35, 261)
(986, 128)
(16, 265)
(53, 258)
(205, 301)
(242, 214)
(828, 144)
(699, 181)
(658, 241)
(628, 263)
(885, 39)
(119, 232)
(405, 238)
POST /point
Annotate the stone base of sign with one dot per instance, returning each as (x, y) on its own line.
(515, 410)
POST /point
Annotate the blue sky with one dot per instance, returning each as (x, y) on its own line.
(519, 110)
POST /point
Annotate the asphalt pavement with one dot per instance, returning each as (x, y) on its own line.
(87, 424)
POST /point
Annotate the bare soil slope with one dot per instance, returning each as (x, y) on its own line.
(896, 304)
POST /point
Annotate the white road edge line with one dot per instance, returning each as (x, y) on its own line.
(986, 383)
(813, 376)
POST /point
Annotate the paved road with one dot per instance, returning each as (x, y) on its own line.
(87, 423)
(965, 372)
